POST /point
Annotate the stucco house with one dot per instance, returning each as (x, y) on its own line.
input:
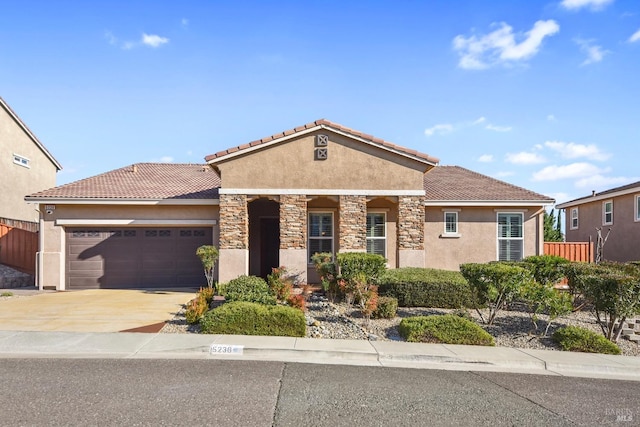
(616, 212)
(26, 166)
(277, 201)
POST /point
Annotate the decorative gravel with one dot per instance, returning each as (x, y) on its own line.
(511, 328)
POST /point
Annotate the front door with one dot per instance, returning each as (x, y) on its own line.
(269, 245)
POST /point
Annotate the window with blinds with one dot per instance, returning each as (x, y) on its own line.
(320, 233)
(510, 237)
(376, 234)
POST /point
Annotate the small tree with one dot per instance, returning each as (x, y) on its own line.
(552, 231)
(208, 255)
(495, 285)
(614, 292)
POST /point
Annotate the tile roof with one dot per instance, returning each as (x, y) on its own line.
(613, 192)
(455, 183)
(328, 125)
(30, 134)
(151, 181)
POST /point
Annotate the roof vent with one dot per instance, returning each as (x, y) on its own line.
(593, 193)
(134, 168)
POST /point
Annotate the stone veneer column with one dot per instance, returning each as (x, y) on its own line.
(352, 224)
(411, 213)
(234, 237)
(293, 234)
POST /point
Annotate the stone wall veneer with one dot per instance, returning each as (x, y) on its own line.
(293, 221)
(411, 222)
(353, 223)
(234, 221)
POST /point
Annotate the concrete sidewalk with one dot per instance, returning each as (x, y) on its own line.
(309, 350)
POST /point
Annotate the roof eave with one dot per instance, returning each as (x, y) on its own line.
(597, 197)
(491, 203)
(118, 201)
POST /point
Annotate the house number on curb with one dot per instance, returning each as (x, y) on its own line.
(226, 349)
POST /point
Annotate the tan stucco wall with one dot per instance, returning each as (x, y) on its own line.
(52, 235)
(478, 232)
(18, 181)
(622, 243)
(350, 165)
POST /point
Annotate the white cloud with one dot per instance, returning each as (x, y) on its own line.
(591, 4)
(440, 129)
(571, 150)
(184, 22)
(634, 37)
(486, 158)
(153, 40)
(561, 197)
(524, 158)
(111, 39)
(500, 46)
(479, 121)
(163, 159)
(594, 52)
(498, 128)
(573, 170)
(551, 118)
(599, 182)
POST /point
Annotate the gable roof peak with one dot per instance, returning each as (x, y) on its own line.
(323, 124)
(30, 134)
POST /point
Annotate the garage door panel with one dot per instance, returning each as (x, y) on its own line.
(135, 257)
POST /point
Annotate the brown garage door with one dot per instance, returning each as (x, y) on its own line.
(135, 257)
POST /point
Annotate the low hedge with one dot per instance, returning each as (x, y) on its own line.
(445, 329)
(248, 289)
(247, 318)
(573, 338)
(387, 308)
(426, 287)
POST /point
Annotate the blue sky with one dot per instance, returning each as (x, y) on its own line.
(541, 94)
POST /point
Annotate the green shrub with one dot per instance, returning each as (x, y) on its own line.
(279, 284)
(350, 264)
(572, 338)
(426, 287)
(446, 329)
(495, 284)
(386, 309)
(546, 269)
(6, 294)
(247, 318)
(248, 289)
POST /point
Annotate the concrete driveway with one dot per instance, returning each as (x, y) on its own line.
(96, 310)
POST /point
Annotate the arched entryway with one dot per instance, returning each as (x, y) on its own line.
(264, 236)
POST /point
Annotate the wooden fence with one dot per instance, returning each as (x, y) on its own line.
(573, 251)
(18, 248)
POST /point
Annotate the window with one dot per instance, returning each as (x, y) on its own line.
(574, 218)
(320, 233)
(451, 223)
(20, 160)
(607, 212)
(510, 237)
(376, 234)
(638, 208)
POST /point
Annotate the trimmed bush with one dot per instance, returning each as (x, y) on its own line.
(386, 309)
(445, 329)
(426, 287)
(350, 264)
(248, 289)
(247, 318)
(573, 338)
(546, 269)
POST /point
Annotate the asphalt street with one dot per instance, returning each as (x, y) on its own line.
(137, 392)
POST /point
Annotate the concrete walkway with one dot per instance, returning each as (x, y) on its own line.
(80, 324)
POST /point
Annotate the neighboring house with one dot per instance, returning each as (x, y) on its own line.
(25, 167)
(615, 212)
(274, 202)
